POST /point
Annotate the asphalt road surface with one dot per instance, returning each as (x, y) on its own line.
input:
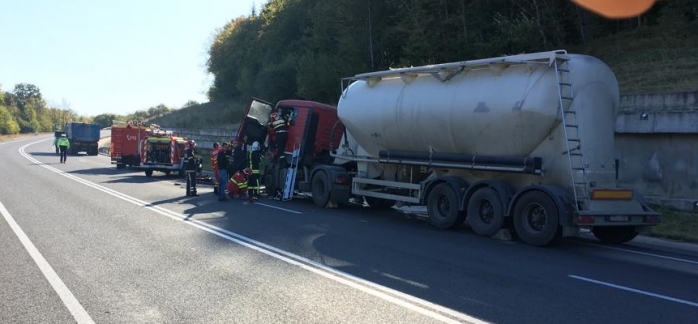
(83, 242)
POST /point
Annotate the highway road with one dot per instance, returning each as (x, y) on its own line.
(83, 242)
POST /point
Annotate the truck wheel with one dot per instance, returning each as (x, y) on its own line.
(614, 234)
(485, 212)
(536, 219)
(180, 173)
(320, 188)
(148, 173)
(167, 173)
(442, 207)
(120, 166)
(379, 203)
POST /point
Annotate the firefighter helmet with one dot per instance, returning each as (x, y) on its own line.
(255, 146)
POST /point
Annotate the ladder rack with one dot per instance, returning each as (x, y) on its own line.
(573, 139)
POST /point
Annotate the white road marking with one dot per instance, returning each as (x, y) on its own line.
(410, 302)
(69, 300)
(279, 208)
(642, 253)
(642, 292)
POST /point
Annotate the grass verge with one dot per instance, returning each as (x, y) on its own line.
(676, 225)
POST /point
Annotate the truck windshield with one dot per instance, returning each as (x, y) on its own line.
(260, 111)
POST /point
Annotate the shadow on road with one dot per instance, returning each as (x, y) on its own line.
(45, 154)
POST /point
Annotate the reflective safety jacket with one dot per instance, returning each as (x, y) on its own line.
(63, 142)
(280, 125)
(214, 159)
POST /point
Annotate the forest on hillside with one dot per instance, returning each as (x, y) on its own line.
(302, 48)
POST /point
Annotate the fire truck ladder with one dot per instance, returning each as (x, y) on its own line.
(573, 142)
(291, 173)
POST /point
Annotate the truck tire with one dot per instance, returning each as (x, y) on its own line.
(442, 207)
(120, 166)
(167, 173)
(320, 187)
(614, 234)
(485, 212)
(148, 173)
(536, 219)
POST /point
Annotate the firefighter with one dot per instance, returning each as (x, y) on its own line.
(214, 167)
(254, 160)
(238, 183)
(63, 145)
(191, 164)
(279, 124)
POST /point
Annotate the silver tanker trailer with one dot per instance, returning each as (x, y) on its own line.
(524, 142)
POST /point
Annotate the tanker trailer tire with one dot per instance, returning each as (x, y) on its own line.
(148, 173)
(536, 219)
(614, 234)
(442, 207)
(320, 187)
(485, 212)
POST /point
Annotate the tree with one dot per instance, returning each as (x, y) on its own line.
(104, 120)
(8, 125)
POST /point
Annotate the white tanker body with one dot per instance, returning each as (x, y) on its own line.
(527, 137)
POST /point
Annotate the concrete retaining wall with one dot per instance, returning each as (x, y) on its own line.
(657, 143)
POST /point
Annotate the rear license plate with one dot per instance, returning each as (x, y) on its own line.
(618, 218)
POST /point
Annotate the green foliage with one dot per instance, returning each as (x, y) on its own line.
(221, 113)
(8, 124)
(104, 120)
(25, 111)
(676, 224)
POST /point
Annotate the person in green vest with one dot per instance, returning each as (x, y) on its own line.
(63, 146)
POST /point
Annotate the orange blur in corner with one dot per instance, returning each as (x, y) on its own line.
(616, 9)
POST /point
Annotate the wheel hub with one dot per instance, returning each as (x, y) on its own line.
(485, 212)
(536, 217)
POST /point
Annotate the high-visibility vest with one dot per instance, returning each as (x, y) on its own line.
(63, 141)
(254, 158)
(214, 159)
(239, 180)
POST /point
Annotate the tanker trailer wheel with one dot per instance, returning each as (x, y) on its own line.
(320, 187)
(536, 219)
(149, 173)
(442, 207)
(614, 234)
(485, 212)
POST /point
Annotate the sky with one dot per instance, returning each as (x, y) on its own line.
(98, 56)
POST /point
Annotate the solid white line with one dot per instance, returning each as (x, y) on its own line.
(415, 304)
(608, 284)
(61, 289)
(279, 208)
(642, 253)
